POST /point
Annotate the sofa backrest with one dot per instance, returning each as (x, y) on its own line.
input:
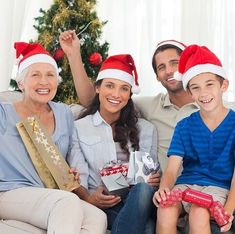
(10, 96)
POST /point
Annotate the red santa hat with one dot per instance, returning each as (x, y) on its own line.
(32, 53)
(195, 60)
(178, 44)
(121, 67)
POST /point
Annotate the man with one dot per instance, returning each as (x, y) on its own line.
(165, 110)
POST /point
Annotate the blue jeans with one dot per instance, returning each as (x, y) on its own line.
(135, 214)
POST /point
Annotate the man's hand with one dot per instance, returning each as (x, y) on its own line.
(154, 179)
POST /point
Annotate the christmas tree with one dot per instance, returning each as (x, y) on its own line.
(78, 15)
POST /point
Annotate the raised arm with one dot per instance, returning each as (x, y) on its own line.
(70, 44)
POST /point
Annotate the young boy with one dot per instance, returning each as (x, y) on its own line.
(204, 142)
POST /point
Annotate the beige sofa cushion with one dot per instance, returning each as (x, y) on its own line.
(16, 227)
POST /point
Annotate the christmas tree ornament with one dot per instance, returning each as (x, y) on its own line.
(59, 54)
(83, 29)
(95, 59)
(71, 2)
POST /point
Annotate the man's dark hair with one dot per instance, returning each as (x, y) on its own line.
(161, 49)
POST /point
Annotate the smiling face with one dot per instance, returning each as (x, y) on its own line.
(113, 96)
(166, 65)
(207, 90)
(40, 83)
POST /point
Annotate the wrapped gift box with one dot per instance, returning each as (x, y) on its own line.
(141, 165)
(115, 184)
(113, 177)
(114, 168)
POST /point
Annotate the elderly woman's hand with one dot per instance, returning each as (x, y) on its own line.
(76, 174)
(69, 42)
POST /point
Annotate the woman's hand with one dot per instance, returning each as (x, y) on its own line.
(99, 199)
(160, 195)
(227, 226)
(69, 42)
(154, 179)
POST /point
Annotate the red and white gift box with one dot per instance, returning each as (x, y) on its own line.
(114, 168)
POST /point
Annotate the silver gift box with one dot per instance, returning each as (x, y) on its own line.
(115, 184)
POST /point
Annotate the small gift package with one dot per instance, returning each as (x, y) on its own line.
(113, 178)
(113, 168)
(141, 165)
(198, 198)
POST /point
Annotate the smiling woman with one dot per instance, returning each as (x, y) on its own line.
(109, 130)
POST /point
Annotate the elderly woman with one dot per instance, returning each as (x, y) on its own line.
(23, 196)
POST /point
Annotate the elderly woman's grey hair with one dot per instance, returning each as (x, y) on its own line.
(20, 76)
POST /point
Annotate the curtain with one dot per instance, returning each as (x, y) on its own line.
(135, 27)
(16, 19)
(12, 13)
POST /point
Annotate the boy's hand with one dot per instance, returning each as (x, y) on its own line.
(160, 196)
(227, 226)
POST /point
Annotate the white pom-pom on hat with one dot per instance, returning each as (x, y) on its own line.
(135, 89)
(177, 76)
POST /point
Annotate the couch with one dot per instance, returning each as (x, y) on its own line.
(16, 227)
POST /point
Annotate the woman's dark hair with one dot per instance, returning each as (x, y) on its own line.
(126, 128)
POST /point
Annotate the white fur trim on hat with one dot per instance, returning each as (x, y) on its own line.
(174, 43)
(202, 68)
(116, 74)
(38, 58)
(119, 75)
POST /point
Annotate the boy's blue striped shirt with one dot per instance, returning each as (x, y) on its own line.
(208, 157)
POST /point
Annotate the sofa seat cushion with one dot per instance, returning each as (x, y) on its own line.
(16, 227)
